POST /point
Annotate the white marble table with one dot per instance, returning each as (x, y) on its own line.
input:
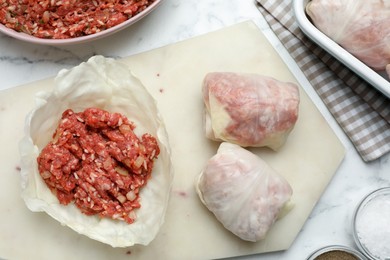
(176, 20)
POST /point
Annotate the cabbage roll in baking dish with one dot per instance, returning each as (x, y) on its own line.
(249, 109)
(243, 192)
(359, 26)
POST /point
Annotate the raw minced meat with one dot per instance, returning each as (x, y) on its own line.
(61, 19)
(96, 161)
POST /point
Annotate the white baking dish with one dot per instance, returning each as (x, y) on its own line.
(379, 80)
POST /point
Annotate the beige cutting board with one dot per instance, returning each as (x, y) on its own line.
(174, 74)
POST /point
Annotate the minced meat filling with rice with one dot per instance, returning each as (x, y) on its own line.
(96, 161)
(61, 19)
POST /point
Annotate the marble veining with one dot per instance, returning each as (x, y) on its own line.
(176, 20)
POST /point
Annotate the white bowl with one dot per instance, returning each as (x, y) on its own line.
(372, 222)
(377, 80)
(82, 39)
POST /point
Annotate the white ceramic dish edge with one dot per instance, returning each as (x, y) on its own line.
(82, 39)
(373, 78)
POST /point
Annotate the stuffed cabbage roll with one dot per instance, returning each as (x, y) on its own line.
(360, 26)
(243, 192)
(249, 109)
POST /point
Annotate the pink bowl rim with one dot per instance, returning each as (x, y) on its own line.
(82, 39)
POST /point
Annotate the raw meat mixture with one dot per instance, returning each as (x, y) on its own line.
(61, 19)
(96, 161)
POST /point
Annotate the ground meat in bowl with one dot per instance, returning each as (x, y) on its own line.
(62, 19)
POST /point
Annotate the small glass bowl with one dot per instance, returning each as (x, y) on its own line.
(363, 206)
(336, 248)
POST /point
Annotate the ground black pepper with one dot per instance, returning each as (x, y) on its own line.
(336, 255)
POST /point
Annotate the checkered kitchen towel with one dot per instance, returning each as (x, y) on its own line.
(361, 111)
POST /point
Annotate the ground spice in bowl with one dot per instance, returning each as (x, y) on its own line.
(336, 252)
